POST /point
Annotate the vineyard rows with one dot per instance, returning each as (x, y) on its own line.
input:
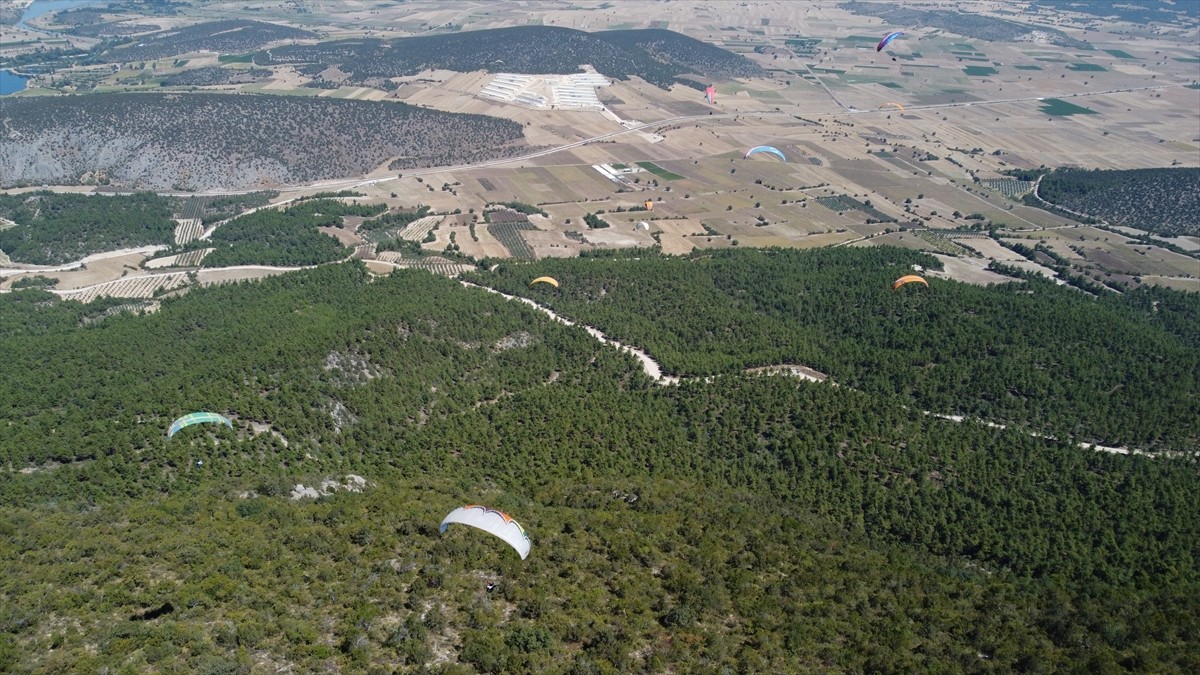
(188, 230)
(1009, 187)
(434, 264)
(943, 243)
(192, 258)
(137, 287)
(192, 208)
(418, 229)
(509, 235)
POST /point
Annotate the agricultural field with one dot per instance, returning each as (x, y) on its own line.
(419, 229)
(188, 230)
(659, 171)
(1061, 108)
(956, 112)
(509, 235)
(432, 264)
(1009, 187)
(135, 287)
(189, 259)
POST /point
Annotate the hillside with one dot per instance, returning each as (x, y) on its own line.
(212, 75)
(213, 141)
(285, 237)
(1160, 201)
(1144, 12)
(660, 57)
(231, 36)
(1031, 354)
(58, 228)
(747, 523)
(968, 25)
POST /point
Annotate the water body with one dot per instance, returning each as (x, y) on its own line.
(10, 83)
(42, 7)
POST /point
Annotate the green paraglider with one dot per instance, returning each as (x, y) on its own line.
(197, 418)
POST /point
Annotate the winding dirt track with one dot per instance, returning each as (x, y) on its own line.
(654, 371)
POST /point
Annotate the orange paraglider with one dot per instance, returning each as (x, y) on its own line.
(908, 279)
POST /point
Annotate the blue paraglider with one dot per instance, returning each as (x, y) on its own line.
(765, 148)
(887, 39)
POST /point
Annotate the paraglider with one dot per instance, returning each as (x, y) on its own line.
(908, 279)
(544, 280)
(765, 148)
(649, 205)
(491, 521)
(887, 39)
(643, 226)
(710, 94)
(893, 104)
(197, 418)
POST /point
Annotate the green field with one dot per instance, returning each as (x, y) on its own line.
(1187, 59)
(802, 46)
(659, 171)
(1087, 68)
(1120, 54)
(980, 71)
(235, 58)
(1028, 67)
(1059, 107)
(891, 85)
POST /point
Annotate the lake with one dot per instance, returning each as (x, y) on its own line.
(39, 7)
(10, 83)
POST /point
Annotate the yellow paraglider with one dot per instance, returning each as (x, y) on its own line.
(544, 280)
(892, 103)
(908, 279)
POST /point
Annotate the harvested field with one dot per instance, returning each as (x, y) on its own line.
(967, 270)
(346, 237)
(241, 273)
(556, 244)
(99, 271)
(989, 248)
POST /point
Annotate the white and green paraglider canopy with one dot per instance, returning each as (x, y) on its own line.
(493, 522)
(197, 418)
